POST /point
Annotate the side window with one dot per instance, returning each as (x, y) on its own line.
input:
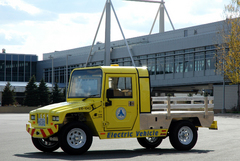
(122, 86)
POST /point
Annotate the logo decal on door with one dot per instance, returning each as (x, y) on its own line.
(121, 113)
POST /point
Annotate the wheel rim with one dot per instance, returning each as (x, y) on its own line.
(185, 135)
(151, 139)
(76, 138)
(47, 144)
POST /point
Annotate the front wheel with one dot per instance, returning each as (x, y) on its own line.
(183, 135)
(75, 138)
(45, 145)
(149, 142)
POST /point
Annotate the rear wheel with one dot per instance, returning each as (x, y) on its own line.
(45, 145)
(75, 138)
(183, 135)
(149, 142)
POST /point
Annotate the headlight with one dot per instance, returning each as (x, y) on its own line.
(55, 118)
(32, 117)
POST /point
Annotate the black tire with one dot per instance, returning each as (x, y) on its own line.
(75, 138)
(149, 142)
(45, 145)
(183, 135)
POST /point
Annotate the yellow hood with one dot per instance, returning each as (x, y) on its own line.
(66, 107)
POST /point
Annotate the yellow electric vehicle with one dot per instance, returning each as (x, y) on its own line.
(112, 102)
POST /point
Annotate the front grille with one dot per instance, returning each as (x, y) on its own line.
(42, 119)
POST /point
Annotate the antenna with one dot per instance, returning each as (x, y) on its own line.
(160, 11)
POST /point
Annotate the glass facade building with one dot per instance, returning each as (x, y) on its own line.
(17, 67)
(179, 61)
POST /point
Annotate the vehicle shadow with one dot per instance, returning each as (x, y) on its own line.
(108, 154)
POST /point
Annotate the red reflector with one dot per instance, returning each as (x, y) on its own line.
(164, 130)
(102, 133)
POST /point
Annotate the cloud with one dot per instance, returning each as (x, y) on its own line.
(21, 5)
(73, 6)
(62, 25)
(12, 38)
(10, 15)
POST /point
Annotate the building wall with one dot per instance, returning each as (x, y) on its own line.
(167, 55)
(230, 97)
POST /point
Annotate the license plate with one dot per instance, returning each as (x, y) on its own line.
(41, 122)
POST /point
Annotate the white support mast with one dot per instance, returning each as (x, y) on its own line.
(107, 55)
(160, 11)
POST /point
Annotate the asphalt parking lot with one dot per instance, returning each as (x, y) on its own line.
(221, 144)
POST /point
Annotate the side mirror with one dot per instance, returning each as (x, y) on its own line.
(110, 93)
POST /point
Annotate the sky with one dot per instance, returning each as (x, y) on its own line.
(43, 26)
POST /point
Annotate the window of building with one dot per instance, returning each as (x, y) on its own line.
(169, 53)
(46, 75)
(99, 63)
(179, 64)
(2, 69)
(188, 63)
(151, 66)
(169, 65)
(189, 50)
(185, 33)
(114, 61)
(127, 62)
(160, 66)
(56, 75)
(160, 54)
(210, 47)
(195, 32)
(151, 56)
(15, 68)
(27, 71)
(199, 61)
(210, 60)
(200, 48)
(143, 62)
(8, 68)
(179, 51)
(50, 75)
(62, 75)
(34, 68)
(137, 61)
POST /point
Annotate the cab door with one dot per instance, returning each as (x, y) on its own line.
(122, 112)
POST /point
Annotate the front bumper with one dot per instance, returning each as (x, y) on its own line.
(41, 132)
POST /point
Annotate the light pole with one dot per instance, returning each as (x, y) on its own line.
(67, 74)
(50, 57)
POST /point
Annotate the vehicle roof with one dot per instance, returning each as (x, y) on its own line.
(142, 71)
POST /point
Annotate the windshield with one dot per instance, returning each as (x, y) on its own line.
(85, 83)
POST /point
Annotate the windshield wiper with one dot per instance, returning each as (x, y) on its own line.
(90, 96)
